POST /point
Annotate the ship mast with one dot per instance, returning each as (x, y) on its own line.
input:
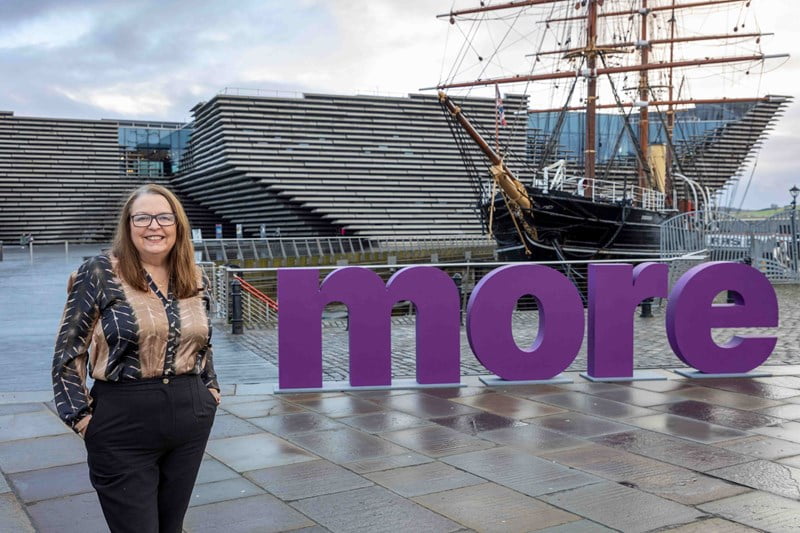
(591, 95)
(644, 97)
(668, 183)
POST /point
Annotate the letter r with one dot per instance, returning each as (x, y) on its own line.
(614, 293)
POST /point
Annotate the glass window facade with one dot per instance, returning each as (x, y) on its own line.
(153, 150)
(690, 126)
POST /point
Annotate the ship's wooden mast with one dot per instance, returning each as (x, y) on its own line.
(591, 95)
(668, 181)
(644, 97)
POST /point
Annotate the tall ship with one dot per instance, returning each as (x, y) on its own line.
(633, 111)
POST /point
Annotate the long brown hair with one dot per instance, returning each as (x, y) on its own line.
(183, 272)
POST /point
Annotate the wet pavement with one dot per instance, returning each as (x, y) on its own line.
(679, 455)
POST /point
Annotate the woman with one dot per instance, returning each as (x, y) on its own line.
(137, 317)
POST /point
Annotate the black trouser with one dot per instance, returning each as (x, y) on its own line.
(145, 443)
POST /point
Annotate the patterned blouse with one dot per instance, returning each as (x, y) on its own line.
(125, 334)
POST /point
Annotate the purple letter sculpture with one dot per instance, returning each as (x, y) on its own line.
(560, 322)
(369, 303)
(614, 293)
(691, 314)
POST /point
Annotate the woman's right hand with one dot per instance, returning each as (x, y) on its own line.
(82, 425)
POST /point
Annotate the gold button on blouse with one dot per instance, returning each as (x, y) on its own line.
(165, 381)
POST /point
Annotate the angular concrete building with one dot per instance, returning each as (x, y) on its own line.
(310, 165)
(321, 164)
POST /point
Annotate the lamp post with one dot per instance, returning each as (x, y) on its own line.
(793, 191)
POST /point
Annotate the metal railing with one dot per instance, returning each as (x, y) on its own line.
(766, 244)
(257, 313)
(599, 190)
(295, 247)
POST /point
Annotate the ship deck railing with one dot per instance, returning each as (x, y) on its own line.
(606, 191)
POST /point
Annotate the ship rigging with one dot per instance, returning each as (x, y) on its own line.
(553, 203)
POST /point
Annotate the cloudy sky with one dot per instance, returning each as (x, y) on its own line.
(155, 59)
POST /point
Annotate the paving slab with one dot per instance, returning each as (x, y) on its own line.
(306, 479)
(686, 487)
(780, 479)
(437, 441)
(212, 470)
(622, 508)
(722, 416)
(16, 408)
(762, 447)
(296, 423)
(490, 507)
(680, 452)
(717, 525)
(509, 406)
(638, 397)
(594, 405)
(609, 463)
(424, 405)
(372, 509)
(726, 398)
(251, 452)
(54, 482)
(760, 510)
(28, 425)
(256, 514)
(231, 426)
(72, 514)
(42, 452)
(13, 516)
(580, 425)
(686, 428)
(259, 408)
(532, 438)
(520, 471)
(753, 387)
(387, 463)
(340, 406)
(474, 423)
(423, 479)
(384, 421)
(789, 411)
(580, 526)
(227, 489)
(346, 445)
(787, 431)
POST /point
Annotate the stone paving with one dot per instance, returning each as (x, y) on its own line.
(679, 455)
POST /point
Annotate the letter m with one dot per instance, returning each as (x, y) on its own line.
(369, 302)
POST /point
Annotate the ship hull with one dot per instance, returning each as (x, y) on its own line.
(570, 228)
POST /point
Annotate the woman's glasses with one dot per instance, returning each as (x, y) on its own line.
(163, 219)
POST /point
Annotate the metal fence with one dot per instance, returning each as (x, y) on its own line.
(770, 245)
(257, 314)
(227, 250)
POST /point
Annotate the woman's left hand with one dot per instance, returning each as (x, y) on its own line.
(215, 394)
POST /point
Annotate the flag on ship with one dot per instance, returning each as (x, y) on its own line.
(501, 112)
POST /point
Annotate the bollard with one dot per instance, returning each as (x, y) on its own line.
(1, 250)
(647, 308)
(730, 297)
(66, 251)
(237, 323)
(458, 279)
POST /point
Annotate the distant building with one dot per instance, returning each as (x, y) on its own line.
(310, 165)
